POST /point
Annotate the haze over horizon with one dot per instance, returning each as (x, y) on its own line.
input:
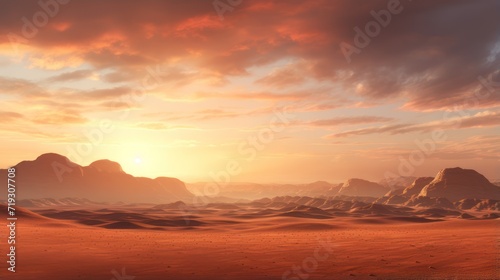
(219, 177)
(175, 89)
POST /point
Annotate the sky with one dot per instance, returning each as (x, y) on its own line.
(253, 91)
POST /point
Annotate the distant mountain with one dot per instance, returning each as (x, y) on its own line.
(55, 176)
(334, 190)
(456, 184)
(360, 187)
(397, 183)
(52, 179)
(317, 187)
(105, 165)
(238, 190)
(394, 192)
(417, 186)
(452, 187)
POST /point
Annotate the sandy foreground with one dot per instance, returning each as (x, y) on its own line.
(342, 248)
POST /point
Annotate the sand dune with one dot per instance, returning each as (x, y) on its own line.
(262, 214)
(303, 211)
(20, 213)
(424, 201)
(364, 247)
(368, 240)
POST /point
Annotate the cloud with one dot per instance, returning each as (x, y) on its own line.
(209, 114)
(21, 88)
(392, 129)
(482, 119)
(43, 105)
(71, 76)
(104, 93)
(323, 95)
(6, 117)
(430, 54)
(153, 125)
(283, 77)
(475, 147)
(60, 118)
(323, 106)
(118, 105)
(349, 121)
(462, 151)
(28, 95)
(161, 126)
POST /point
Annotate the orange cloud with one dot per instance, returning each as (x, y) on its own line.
(418, 57)
(349, 121)
(482, 119)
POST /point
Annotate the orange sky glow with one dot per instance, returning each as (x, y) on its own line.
(263, 91)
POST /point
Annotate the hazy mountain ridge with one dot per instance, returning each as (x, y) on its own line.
(53, 179)
(55, 176)
(457, 183)
(238, 190)
(360, 187)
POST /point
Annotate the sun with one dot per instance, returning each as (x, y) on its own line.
(138, 160)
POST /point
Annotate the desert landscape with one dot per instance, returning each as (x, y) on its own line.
(250, 139)
(442, 227)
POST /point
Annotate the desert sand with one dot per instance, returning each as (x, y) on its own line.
(228, 241)
(355, 230)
